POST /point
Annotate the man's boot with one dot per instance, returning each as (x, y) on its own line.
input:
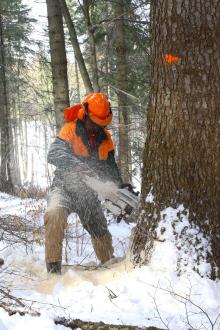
(54, 267)
(103, 247)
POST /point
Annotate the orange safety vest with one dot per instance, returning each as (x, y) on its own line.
(68, 133)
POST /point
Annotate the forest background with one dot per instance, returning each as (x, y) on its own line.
(159, 64)
(120, 47)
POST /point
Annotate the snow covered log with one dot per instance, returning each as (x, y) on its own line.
(84, 325)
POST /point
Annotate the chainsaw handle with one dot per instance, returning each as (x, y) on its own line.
(126, 185)
(130, 188)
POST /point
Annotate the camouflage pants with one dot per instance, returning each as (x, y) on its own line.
(61, 202)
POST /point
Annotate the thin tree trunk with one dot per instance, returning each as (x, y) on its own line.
(14, 152)
(94, 66)
(4, 119)
(77, 82)
(24, 138)
(75, 44)
(58, 59)
(124, 158)
(15, 109)
(45, 128)
(182, 151)
(107, 58)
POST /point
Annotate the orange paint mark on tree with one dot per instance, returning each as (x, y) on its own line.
(171, 59)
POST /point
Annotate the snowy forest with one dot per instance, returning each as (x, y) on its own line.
(110, 164)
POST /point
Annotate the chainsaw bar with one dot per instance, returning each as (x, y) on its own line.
(128, 197)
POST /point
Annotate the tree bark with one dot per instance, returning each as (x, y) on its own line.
(6, 180)
(94, 66)
(58, 60)
(182, 151)
(14, 130)
(75, 44)
(77, 83)
(124, 158)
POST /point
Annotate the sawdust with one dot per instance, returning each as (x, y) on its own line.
(75, 275)
(105, 190)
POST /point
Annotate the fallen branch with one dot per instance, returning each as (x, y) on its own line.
(84, 325)
(16, 229)
(11, 310)
(14, 305)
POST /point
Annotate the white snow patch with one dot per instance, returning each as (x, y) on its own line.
(114, 294)
(27, 322)
(184, 244)
(150, 197)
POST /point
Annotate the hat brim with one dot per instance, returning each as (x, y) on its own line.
(99, 121)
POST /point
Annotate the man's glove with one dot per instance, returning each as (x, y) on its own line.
(128, 209)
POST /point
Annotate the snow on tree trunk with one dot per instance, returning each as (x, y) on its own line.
(182, 151)
(58, 59)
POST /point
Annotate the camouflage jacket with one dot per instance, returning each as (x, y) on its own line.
(71, 167)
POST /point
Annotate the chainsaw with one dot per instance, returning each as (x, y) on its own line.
(122, 202)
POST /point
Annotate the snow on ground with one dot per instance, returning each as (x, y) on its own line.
(154, 295)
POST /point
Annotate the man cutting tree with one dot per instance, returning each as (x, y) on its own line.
(83, 146)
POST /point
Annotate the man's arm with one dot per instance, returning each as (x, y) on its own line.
(61, 155)
(113, 168)
(107, 169)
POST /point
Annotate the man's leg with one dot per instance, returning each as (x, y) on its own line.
(55, 220)
(103, 247)
(88, 207)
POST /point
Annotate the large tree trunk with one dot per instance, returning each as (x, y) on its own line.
(182, 151)
(5, 174)
(75, 44)
(94, 66)
(58, 59)
(124, 152)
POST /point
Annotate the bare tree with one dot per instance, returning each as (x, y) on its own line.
(90, 31)
(58, 59)
(75, 44)
(6, 181)
(124, 158)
